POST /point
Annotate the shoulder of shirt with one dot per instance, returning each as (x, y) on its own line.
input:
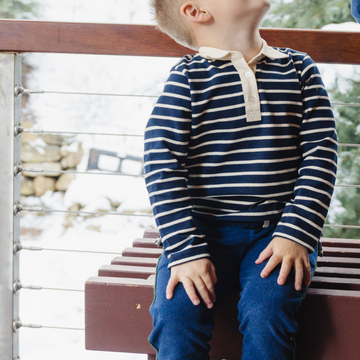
(188, 61)
(294, 53)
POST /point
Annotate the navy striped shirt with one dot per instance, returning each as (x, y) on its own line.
(217, 148)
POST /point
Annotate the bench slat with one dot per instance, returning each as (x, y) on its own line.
(140, 272)
(340, 272)
(145, 242)
(341, 252)
(338, 262)
(321, 282)
(135, 261)
(350, 243)
(117, 302)
(142, 252)
(151, 233)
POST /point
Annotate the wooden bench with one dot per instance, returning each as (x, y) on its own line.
(117, 305)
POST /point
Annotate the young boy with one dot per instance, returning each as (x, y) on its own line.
(240, 163)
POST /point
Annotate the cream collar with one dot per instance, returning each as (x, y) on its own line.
(218, 54)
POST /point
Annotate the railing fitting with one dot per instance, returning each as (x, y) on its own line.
(20, 90)
(17, 208)
(17, 324)
(18, 130)
(17, 286)
(18, 247)
(18, 169)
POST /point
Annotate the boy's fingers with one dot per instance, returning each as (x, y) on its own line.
(265, 254)
(189, 287)
(284, 272)
(170, 287)
(270, 266)
(210, 288)
(299, 275)
(307, 272)
(210, 280)
(204, 292)
(213, 275)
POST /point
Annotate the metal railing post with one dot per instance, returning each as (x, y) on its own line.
(10, 115)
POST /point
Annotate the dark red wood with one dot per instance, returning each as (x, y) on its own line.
(329, 328)
(117, 315)
(115, 319)
(340, 272)
(135, 261)
(146, 242)
(151, 233)
(142, 252)
(330, 242)
(342, 262)
(126, 271)
(326, 282)
(341, 252)
(145, 40)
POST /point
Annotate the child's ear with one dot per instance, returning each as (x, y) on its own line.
(194, 13)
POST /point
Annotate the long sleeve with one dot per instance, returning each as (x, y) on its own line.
(304, 216)
(166, 147)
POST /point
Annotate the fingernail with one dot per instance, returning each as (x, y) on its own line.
(210, 306)
(196, 302)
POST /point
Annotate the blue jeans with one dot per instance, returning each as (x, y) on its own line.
(266, 309)
(355, 9)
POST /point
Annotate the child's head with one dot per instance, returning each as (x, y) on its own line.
(193, 23)
(169, 21)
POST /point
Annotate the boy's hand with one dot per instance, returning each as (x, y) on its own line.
(198, 275)
(289, 254)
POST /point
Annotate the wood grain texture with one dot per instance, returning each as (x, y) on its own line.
(145, 40)
(116, 320)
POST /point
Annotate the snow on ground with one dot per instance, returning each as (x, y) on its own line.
(70, 270)
(101, 114)
(342, 72)
(108, 233)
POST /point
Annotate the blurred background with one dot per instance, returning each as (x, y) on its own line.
(114, 95)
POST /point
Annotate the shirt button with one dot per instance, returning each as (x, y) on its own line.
(248, 74)
(252, 99)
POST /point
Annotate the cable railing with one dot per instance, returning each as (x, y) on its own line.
(18, 37)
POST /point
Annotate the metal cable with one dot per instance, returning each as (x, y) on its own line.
(39, 131)
(349, 145)
(36, 326)
(30, 91)
(348, 186)
(78, 251)
(38, 209)
(60, 328)
(18, 246)
(343, 226)
(345, 104)
(32, 170)
(96, 94)
(35, 287)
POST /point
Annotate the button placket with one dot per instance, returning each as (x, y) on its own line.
(250, 89)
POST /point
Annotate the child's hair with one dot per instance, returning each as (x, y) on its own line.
(169, 21)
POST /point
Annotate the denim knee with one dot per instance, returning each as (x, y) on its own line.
(267, 320)
(181, 330)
